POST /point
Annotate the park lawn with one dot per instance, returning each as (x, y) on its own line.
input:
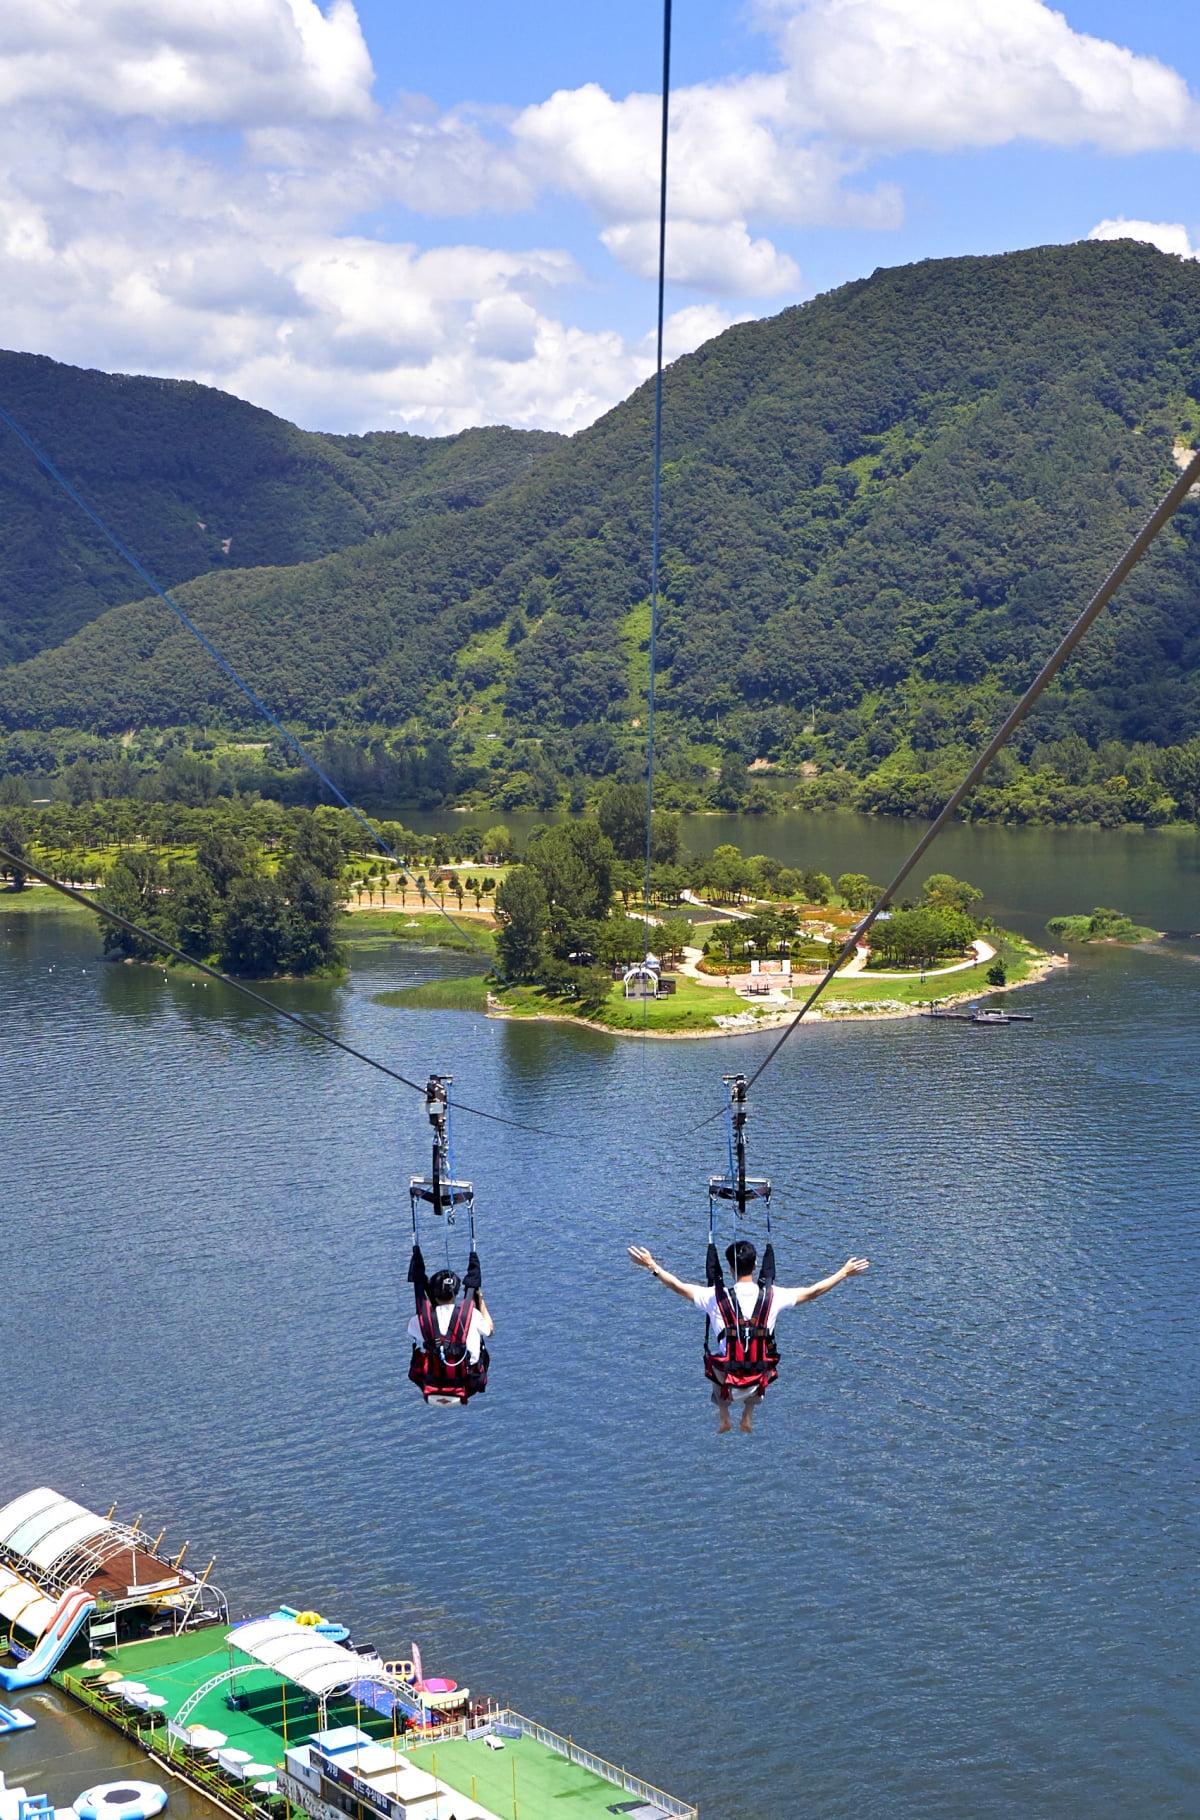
(690, 1007)
(860, 988)
(371, 928)
(39, 897)
(94, 862)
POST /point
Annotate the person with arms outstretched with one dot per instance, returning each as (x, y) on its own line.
(742, 1362)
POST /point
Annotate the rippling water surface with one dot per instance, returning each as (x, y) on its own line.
(949, 1575)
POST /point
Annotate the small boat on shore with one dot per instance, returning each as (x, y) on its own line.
(978, 1014)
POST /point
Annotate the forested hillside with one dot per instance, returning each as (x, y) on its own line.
(196, 481)
(879, 511)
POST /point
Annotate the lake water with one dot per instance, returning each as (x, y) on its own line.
(1027, 874)
(952, 1573)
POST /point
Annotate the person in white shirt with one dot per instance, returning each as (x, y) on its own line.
(742, 1258)
(443, 1287)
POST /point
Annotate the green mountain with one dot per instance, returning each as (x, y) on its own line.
(197, 482)
(880, 510)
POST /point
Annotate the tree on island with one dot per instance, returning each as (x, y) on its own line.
(675, 934)
(622, 939)
(943, 892)
(522, 910)
(228, 908)
(920, 937)
(12, 837)
(497, 845)
(621, 812)
(574, 862)
(854, 889)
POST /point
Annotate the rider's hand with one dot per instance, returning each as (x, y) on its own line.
(854, 1267)
(641, 1256)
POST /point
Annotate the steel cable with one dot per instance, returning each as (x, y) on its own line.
(19, 863)
(1049, 670)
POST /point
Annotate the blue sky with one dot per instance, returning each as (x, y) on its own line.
(374, 213)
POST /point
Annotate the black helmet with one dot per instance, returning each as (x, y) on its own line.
(741, 1255)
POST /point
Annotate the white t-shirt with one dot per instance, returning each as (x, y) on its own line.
(747, 1297)
(443, 1314)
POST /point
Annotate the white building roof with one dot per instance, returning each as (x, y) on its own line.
(12, 1515)
(297, 1653)
(71, 1527)
(43, 1526)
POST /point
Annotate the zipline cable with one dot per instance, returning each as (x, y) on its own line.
(656, 506)
(1049, 670)
(20, 864)
(256, 701)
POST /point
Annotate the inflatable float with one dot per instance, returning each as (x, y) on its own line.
(121, 1801)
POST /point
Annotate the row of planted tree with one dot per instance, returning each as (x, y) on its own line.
(260, 889)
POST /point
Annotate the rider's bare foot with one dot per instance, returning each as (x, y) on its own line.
(747, 1422)
(724, 1425)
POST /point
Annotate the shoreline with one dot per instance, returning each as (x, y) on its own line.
(865, 1011)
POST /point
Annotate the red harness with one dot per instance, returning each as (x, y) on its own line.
(744, 1355)
(442, 1367)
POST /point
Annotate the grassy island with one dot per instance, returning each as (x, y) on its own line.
(734, 940)
(695, 1006)
(1101, 926)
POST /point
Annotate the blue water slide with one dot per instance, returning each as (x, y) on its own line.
(70, 1615)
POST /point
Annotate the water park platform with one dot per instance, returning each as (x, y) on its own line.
(276, 1718)
(257, 1726)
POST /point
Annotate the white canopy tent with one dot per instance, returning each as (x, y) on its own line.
(297, 1653)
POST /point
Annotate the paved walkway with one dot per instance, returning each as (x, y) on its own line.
(983, 952)
(741, 916)
(690, 966)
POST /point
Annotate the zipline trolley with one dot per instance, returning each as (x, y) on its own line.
(740, 1356)
(737, 1189)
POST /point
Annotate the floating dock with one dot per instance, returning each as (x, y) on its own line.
(977, 1015)
(282, 1716)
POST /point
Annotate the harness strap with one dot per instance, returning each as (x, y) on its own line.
(460, 1320)
(713, 1276)
(428, 1321)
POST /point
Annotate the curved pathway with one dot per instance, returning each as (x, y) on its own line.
(690, 965)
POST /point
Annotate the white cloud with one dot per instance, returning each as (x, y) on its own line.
(127, 244)
(134, 237)
(1167, 236)
(218, 62)
(732, 155)
(713, 256)
(938, 74)
(687, 329)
